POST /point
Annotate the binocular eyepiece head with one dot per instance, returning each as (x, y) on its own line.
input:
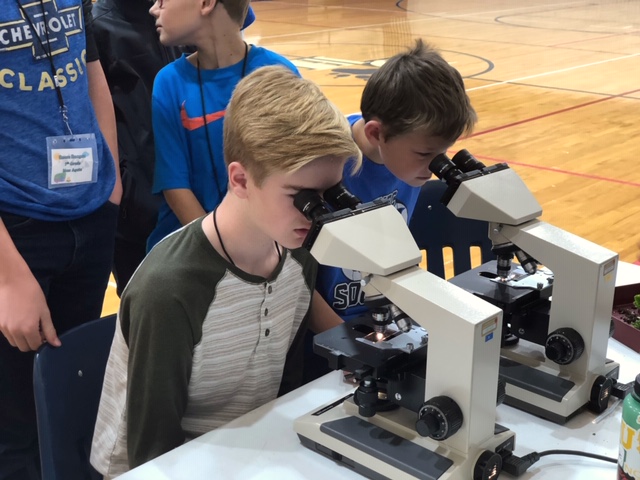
(339, 197)
(313, 205)
(447, 169)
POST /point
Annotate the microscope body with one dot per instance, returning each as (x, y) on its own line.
(561, 313)
(454, 434)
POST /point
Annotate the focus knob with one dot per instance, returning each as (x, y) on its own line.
(366, 397)
(488, 466)
(564, 346)
(439, 418)
(600, 393)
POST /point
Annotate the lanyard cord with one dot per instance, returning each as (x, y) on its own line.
(215, 225)
(204, 116)
(48, 54)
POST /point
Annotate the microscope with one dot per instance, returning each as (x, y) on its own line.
(426, 358)
(553, 355)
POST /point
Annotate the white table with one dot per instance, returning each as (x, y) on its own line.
(263, 445)
(628, 273)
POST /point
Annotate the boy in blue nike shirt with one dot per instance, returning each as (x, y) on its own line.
(190, 96)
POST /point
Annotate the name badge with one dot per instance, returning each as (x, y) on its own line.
(73, 160)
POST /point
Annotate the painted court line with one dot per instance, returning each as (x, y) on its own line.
(427, 16)
(553, 72)
(553, 169)
(561, 171)
(550, 114)
(583, 40)
(513, 10)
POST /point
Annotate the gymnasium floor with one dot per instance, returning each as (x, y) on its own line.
(556, 85)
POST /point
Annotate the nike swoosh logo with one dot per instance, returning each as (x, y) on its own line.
(197, 122)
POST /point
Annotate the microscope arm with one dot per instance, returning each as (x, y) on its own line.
(464, 331)
(583, 285)
(454, 434)
(464, 346)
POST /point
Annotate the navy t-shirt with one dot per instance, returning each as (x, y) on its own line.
(341, 287)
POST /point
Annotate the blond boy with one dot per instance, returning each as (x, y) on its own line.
(209, 319)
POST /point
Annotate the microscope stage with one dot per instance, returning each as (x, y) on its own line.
(354, 346)
(520, 288)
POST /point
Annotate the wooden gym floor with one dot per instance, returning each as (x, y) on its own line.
(556, 85)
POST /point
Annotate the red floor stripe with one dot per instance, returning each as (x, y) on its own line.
(550, 114)
(552, 169)
(559, 170)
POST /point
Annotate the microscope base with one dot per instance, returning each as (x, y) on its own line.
(386, 446)
(537, 389)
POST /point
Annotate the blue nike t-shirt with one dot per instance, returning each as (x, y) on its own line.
(182, 141)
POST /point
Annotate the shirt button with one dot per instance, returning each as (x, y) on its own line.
(267, 332)
(269, 289)
(266, 312)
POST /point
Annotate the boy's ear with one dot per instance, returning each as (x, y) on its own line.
(373, 132)
(207, 6)
(238, 179)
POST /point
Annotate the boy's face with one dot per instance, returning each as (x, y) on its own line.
(409, 155)
(271, 204)
(176, 20)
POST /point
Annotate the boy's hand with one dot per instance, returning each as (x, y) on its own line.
(25, 319)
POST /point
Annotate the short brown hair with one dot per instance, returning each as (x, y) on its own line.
(236, 9)
(418, 90)
(277, 121)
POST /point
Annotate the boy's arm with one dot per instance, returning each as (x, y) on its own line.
(184, 204)
(323, 317)
(161, 342)
(103, 106)
(23, 307)
(171, 172)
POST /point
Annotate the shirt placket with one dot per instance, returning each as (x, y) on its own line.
(266, 315)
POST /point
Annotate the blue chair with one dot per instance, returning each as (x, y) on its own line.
(434, 228)
(67, 384)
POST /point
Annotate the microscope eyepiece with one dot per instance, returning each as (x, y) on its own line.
(339, 197)
(443, 168)
(467, 162)
(311, 204)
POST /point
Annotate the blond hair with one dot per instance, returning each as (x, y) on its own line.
(279, 122)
